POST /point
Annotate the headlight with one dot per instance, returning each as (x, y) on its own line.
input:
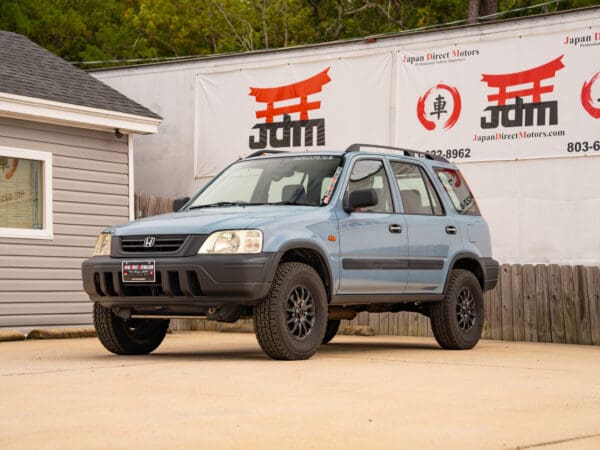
(233, 241)
(102, 247)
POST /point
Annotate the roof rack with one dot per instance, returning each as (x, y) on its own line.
(407, 152)
(263, 152)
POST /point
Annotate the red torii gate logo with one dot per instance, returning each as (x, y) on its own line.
(291, 130)
(519, 113)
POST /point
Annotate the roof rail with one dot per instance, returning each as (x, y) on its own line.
(263, 152)
(407, 152)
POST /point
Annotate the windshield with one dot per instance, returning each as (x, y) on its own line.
(298, 180)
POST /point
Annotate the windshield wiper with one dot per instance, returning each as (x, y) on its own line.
(217, 204)
(290, 203)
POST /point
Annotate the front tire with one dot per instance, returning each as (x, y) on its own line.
(332, 328)
(290, 321)
(128, 337)
(457, 321)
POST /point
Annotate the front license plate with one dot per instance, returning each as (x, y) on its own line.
(139, 271)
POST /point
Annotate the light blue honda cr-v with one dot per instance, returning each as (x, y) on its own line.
(300, 241)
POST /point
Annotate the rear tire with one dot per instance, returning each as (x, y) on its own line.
(290, 321)
(128, 337)
(332, 328)
(457, 321)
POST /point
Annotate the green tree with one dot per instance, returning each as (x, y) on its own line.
(107, 30)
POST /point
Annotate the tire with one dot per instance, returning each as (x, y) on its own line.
(330, 331)
(290, 321)
(457, 321)
(128, 337)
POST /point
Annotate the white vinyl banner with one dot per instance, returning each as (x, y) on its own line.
(527, 97)
(326, 104)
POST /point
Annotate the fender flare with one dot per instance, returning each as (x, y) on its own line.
(303, 244)
(458, 257)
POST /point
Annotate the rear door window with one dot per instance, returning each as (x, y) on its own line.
(417, 193)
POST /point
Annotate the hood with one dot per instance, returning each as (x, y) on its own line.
(205, 221)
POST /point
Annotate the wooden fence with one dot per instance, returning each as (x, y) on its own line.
(541, 303)
(151, 205)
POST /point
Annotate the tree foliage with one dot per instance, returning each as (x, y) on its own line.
(117, 30)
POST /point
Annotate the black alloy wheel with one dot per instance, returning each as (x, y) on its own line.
(290, 321)
(457, 321)
(466, 313)
(300, 313)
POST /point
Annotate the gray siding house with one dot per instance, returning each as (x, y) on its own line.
(66, 152)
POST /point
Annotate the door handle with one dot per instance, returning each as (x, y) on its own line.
(451, 229)
(395, 228)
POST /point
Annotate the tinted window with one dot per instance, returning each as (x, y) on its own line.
(370, 174)
(417, 194)
(290, 180)
(458, 191)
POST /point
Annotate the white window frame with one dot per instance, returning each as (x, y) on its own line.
(25, 233)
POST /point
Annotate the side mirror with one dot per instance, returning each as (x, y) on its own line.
(179, 202)
(362, 198)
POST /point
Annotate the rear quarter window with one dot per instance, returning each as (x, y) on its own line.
(457, 189)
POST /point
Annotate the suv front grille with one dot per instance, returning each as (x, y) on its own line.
(170, 283)
(160, 244)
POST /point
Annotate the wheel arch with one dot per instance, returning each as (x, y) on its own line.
(470, 262)
(308, 253)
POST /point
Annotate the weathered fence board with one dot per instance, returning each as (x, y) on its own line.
(374, 320)
(403, 324)
(531, 303)
(363, 318)
(543, 305)
(530, 307)
(569, 303)
(557, 319)
(584, 333)
(508, 333)
(594, 303)
(496, 311)
(516, 272)
(423, 322)
(413, 324)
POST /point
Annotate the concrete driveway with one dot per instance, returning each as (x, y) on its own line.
(217, 390)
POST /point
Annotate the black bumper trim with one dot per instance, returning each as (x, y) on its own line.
(491, 270)
(192, 280)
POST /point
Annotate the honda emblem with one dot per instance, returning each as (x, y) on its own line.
(149, 241)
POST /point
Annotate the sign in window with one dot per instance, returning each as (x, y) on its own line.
(25, 193)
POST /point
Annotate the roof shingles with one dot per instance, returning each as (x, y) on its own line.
(29, 70)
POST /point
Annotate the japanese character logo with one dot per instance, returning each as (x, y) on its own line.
(438, 108)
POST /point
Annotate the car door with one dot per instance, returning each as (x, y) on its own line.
(373, 244)
(430, 231)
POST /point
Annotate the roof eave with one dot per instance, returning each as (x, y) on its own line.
(47, 111)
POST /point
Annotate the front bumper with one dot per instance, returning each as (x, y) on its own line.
(200, 280)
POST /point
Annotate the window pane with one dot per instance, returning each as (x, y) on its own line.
(370, 174)
(21, 193)
(279, 188)
(416, 191)
(458, 191)
(237, 187)
(297, 179)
